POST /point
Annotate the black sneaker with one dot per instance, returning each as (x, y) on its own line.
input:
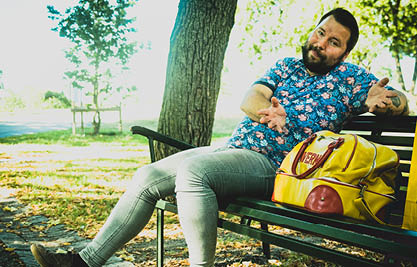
(50, 259)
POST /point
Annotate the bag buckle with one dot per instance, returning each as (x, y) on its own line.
(336, 143)
(279, 171)
(363, 187)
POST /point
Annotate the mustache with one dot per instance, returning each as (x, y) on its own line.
(317, 50)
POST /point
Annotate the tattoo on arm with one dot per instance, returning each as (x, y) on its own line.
(396, 101)
(405, 110)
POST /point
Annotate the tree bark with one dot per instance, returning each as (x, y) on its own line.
(399, 71)
(197, 48)
(97, 117)
(414, 80)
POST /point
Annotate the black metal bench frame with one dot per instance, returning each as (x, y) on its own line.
(395, 243)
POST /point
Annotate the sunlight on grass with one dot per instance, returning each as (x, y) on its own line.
(65, 137)
(71, 179)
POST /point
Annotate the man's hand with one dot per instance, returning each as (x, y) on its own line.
(379, 98)
(274, 116)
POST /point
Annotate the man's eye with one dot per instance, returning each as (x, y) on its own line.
(334, 43)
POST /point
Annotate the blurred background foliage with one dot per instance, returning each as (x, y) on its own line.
(265, 30)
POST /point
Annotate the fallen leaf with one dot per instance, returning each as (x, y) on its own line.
(11, 209)
(61, 251)
(127, 257)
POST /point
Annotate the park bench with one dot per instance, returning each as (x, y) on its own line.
(393, 244)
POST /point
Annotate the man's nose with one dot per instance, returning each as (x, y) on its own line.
(321, 43)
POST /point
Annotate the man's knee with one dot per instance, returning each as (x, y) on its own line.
(151, 184)
(191, 175)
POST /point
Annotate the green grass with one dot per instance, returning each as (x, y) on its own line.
(65, 137)
(72, 179)
(80, 176)
(222, 128)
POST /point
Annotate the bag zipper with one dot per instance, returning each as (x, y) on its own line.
(330, 180)
(353, 152)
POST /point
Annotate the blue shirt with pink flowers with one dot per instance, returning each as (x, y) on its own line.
(312, 104)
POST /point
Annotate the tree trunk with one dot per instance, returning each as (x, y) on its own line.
(96, 123)
(399, 71)
(197, 47)
(97, 116)
(413, 83)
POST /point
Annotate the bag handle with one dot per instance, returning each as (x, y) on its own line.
(332, 146)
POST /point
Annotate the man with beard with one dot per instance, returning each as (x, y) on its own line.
(297, 97)
(294, 99)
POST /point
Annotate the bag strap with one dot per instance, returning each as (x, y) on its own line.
(332, 146)
(360, 201)
(364, 209)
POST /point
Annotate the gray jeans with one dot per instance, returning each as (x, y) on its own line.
(200, 178)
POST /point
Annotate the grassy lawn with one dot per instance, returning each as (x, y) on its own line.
(74, 180)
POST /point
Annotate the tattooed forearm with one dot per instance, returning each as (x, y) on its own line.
(396, 101)
(406, 110)
(398, 106)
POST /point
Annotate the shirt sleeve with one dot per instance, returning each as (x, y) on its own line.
(362, 80)
(274, 75)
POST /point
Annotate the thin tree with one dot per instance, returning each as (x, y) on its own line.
(197, 48)
(99, 31)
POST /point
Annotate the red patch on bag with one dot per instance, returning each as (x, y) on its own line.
(324, 199)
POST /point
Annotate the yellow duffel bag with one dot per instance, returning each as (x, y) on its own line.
(338, 174)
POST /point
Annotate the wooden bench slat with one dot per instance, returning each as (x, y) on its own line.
(404, 168)
(405, 124)
(297, 245)
(315, 218)
(391, 140)
(404, 154)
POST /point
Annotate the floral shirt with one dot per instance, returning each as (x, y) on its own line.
(312, 103)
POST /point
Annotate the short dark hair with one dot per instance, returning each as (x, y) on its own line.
(345, 18)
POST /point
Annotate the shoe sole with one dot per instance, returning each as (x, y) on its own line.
(35, 251)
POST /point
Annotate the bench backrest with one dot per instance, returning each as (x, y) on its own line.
(397, 133)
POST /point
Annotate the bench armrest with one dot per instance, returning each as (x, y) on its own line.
(153, 135)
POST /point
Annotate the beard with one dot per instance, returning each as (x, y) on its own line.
(320, 67)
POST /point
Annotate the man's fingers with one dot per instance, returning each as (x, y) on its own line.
(391, 94)
(275, 102)
(383, 82)
(372, 108)
(262, 120)
(275, 127)
(270, 116)
(263, 112)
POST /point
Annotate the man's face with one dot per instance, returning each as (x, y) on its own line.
(326, 46)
